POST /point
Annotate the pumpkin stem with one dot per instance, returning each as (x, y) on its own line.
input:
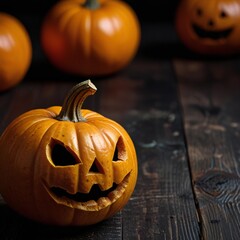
(91, 4)
(72, 105)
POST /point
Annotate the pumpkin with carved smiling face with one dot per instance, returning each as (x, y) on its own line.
(67, 166)
(209, 26)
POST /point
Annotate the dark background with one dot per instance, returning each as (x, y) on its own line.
(147, 11)
(158, 38)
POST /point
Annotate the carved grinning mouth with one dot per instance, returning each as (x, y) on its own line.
(94, 194)
(95, 200)
(215, 35)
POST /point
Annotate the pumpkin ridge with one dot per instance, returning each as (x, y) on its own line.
(95, 147)
(63, 16)
(87, 19)
(25, 116)
(91, 115)
(69, 15)
(19, 122)
(104, 125)
(128, 141)
(35, 198)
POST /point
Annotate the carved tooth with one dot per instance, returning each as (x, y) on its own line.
(103, 202)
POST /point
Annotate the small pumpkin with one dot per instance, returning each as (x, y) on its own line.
(209, 26)
(67, 166)
(15, 51)
(92, 37)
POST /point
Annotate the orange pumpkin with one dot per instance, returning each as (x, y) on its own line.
(15, 51)
(209, 26)
(67, 166)
(92, 37)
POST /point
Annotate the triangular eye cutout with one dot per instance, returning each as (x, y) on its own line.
(120, 153)
(61, 156)
(96, 168)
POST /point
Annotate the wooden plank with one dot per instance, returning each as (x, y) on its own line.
(210, 99)
(144, 100)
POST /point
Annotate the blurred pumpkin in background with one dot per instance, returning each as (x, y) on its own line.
(209, 26)
(67, 166)
(92, 37)
(15, 51)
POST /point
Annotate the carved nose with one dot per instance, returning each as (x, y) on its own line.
(210, 23)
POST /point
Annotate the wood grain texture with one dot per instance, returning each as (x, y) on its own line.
(209, 92)
(145, 102)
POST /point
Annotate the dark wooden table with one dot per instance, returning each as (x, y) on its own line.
(183, 114)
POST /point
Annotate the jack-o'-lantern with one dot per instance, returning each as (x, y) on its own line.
(67, 166)
(209, 26)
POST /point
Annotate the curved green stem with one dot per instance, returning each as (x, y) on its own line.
(71, 109)
(91, 4)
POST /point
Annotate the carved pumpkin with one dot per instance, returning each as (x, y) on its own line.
(209, 26)
(15, 51)
(90, 37)
(67, 166)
